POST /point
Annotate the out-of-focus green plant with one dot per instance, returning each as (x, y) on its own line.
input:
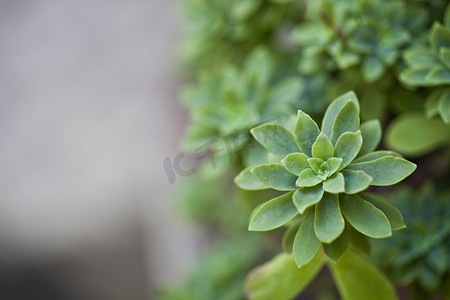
(219, 31)
(419, 255)
(227, 103)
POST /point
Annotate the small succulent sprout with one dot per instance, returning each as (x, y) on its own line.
(324, 172)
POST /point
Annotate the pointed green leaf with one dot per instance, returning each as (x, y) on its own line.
(420, 57)
(432, 102)
(357, 279)
(334, 163)
(347, 120)
(415, 76)
(414, 134)
(315, 163)
(376, 155)
(333, 110)
(390, 211)
(444, 106)
(280, 279)
(289, 235)
(386, 170)
(273, 214)
(372, 68)
(305, 132)
(438, 75)
(328, 221)
(306, 197)
(358, 240)
(439, 37)
(371, 135)
(347, 147)
(306, 243)
(335, 184)
(356, 181)
(337, 248)
(307, 178)
(295, 163)
(275, 176)
(247, 181)
(322, 147)
(275, 138)
(444, 55)
(365, 217)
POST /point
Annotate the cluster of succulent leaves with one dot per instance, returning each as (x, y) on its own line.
(224, 105)
(216, 29)
(428, 66)
(279, 63)
(419, 255)
(324, 172)
(370, 34)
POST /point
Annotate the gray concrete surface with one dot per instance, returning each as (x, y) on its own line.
(88, 112)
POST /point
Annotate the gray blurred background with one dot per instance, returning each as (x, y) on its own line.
(88, 113)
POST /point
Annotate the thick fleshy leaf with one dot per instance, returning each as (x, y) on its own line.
(307, 178)
(306, 244)
(444, 55)
(328, 221)
(371, 135)
(289, 235)
(295, 163)
(438, 75)
(335, 184)
(376, 155)
(333, 110)
(334, 163)
(439, 36)
(315, 163)
(358, 279)
(347, 147)
(307, 196)
(432, 102)
(390, 211)
(280, 279)
(405, 132)
(347, 120)
(247, 181)
(386, 170)
(337, 248)
(444, 106)
(273, 214)
(305, 132)
(276, 139)
(415, 76)
(365, 217)
(356, 181)
(357, 240)
(276, 176)
(322, 147)
(420, 57)
(372, 69)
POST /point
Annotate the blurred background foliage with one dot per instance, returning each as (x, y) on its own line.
(247, 62)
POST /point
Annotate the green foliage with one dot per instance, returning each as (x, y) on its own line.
(225, 104)
(280, 279)
(418, 255)
(324, 176)
(278, 63)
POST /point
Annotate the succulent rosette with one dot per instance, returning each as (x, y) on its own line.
(324, 172)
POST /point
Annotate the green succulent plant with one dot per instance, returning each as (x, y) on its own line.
(372, 34)
(324, 172)
(430, 66)
(418, 255)
(214, 29)
(226, 104)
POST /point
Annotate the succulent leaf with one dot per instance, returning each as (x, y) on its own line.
(307, 196)
(306, 244)
(276, 176)
(305, 132)
(328, 221)
(275, 138)
(273, 213)
(295, 163)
